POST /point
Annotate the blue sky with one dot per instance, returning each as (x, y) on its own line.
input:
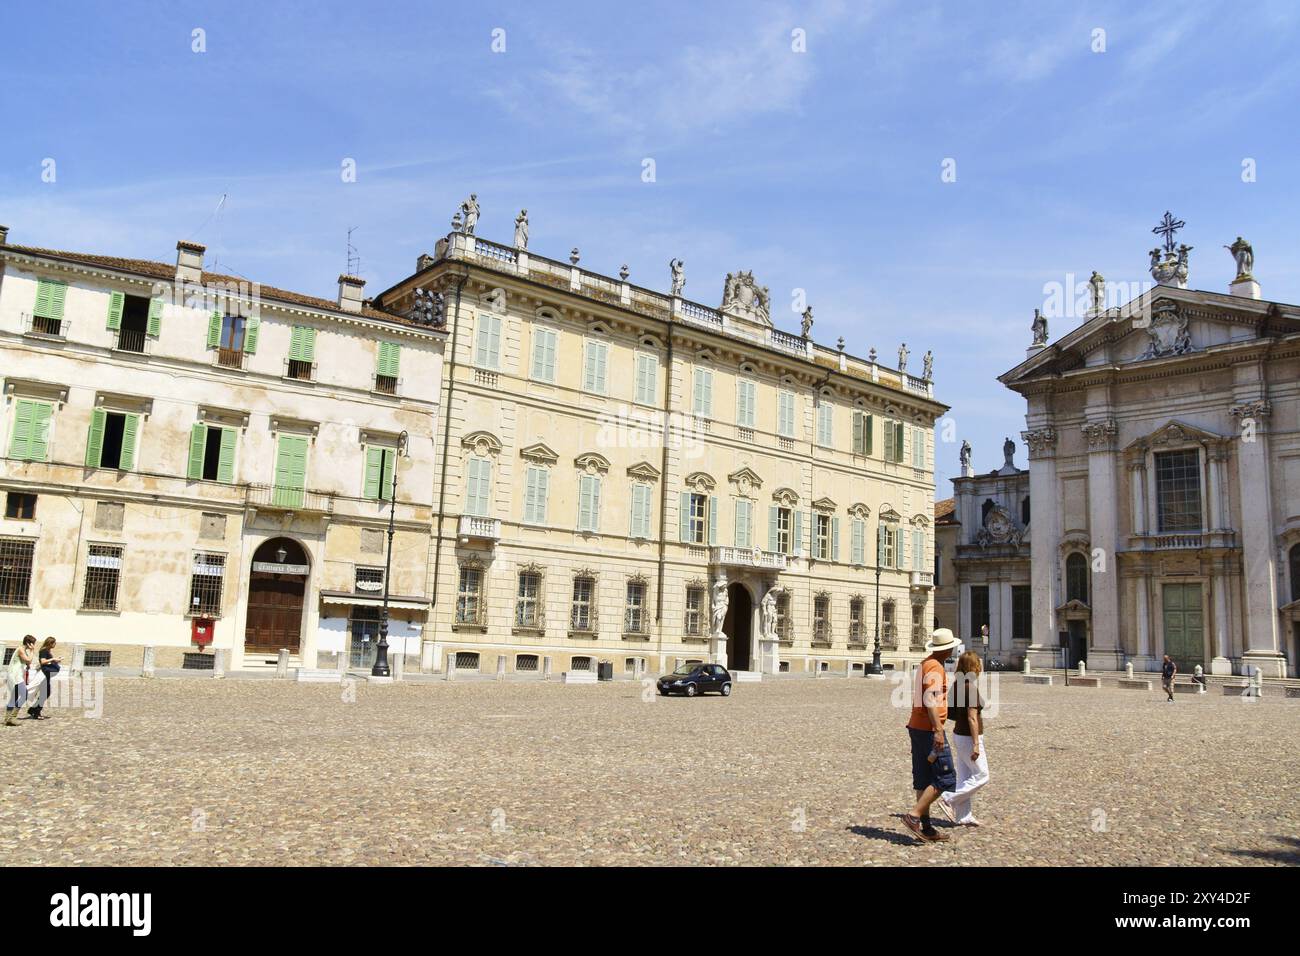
(819, 170)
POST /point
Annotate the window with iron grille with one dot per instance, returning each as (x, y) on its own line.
(97, 659)
(822, 618)
(634, 615)
(528, 608)
(1178, 490)
(525, 663)
(369, 580)
(469, 597)
(20, 505)
(694, 611)
(466, 661)
(856, 633)
(580, 664)
(888, 629)
(918, 625)
(198, 662)
(15, 571)
(582, 614)
(206, 580)
(103, 576)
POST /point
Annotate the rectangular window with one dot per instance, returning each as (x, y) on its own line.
(111, 441)
(979, 607)
(697, 517)
(894, 441)
(887, 544)
(302, 352)
(863, 427)
(694, 624)
(822, 619)
(387, 364)
(206, 579)
(537, 482)
(822, 535)
(857, 635)
(595, 375)
(582, 614)
(377, 482)
(702, 406)
(785, 414)
(918, 448)
(103, 575)
(15, 571)
(918, 550)
(1178, 490)
(30, 438)
(647, 378)
(1022, 612)
(744, 537)
(640, 511)
(233, 337)
(478, 487)
(825, 424)
(918, 625)
(589, 504)
(544, 341)
(783, 617)
(469, 596)
(528, 600)
(367, 580)
(290, 471)
(888, 627)
(47, 314)
(859, 542)
(746, 399)
(634, 616)
(487, 341)
(784, 536)
(133, 318)
(20, 506)
(212, 453)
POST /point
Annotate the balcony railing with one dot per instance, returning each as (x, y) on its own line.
(492, 250)
(922, 579)
(228, 358)
(701, 314)
(484, 529)
(788, 341)
(386, 384)
(131, 340)
(45, 327)
(1170, 542)
(285, 498)
(750, 558)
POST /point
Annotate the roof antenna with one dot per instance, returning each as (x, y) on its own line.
(354, 260)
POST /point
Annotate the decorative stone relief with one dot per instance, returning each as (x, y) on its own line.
(1167, 331)
(743, 296)
(1040, 441)
(1101, 434)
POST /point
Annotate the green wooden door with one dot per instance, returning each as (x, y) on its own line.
(1184, 625)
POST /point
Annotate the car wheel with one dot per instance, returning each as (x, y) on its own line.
(726, 689)
(690, 690)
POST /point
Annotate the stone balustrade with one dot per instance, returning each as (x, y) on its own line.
(749, 558)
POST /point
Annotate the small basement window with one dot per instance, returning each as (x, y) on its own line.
(97, 658)
(526, 662)
(198, 662)
(466, 661)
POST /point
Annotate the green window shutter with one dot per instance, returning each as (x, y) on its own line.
(713, 520)
(50, 297)
(796, 545)
(389, 359)
(22, 432)
(595, 503)
(543, 494)
(309, 344)
(58, 294)
(900, 549)
(155, 317)
(584, 503)
(857, 545)
(290, 470)
(198, 443)
(226, 461)
(130, 438)
(95, 437)
(871, 433)
(302, 344)
(214, 330)
(835, 539)
(374, 472)
(773, 527)
(880, 545)
(684, 518)
(38, 447)
(43, 289)
(898, 441)
(116, 302)
(251, 328)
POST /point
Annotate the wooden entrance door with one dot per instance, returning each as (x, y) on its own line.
(1184, 625)
(274, 612)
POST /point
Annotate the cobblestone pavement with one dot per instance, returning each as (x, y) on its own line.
(242, 772)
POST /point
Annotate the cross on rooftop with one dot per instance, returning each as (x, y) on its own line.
(1167, 227)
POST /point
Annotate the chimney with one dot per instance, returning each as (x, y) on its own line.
(189, 261)
(4, 235)
(350, 293)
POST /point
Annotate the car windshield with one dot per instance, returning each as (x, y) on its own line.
(686, 669)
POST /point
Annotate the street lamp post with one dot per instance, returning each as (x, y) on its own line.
(875, 652)
(381, 649)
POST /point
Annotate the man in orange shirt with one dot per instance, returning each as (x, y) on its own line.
(932, 767)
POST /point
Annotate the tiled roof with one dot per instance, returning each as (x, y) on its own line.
(167, 270)
(943, 511)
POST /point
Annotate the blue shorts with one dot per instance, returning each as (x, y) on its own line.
(941, 774)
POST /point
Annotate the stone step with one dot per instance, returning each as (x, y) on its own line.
(745, 677)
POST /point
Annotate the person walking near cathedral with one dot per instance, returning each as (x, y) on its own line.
(1167, 671)
(972, 765)
(932, 767)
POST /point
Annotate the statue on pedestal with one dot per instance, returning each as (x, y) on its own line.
(521, 229)
(676, 267)
(719, 605)
(806, 325)
(1039, 328)
(769, 613)
(1098, 283)
(1244, 255)
(927, 364)
(964, 456)
(469, 211)
(903, 353)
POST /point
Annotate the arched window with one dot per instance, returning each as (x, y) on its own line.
(1294, 561)
(1076, 578)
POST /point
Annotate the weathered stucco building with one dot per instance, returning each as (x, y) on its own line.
(190, 455)
(1164, 443)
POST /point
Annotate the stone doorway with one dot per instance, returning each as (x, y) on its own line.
(1184, 625)
(277, 589)
(739, 627)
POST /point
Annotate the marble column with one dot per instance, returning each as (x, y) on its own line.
(1257, 544)
(1145, 661)
(1045, 499)
(1136, 458)
(1104, 652)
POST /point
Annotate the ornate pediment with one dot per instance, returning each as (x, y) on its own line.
(700, 481)
(1176, 433)
(920, 521)
(644, 471)
(539, 452)
(744, 298)
(746, 480)
(785, 497)
(824, 504)
(887, 513)
(592, 463)
(482, 443)
(859, 509)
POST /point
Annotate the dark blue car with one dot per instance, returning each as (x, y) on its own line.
(695, 679)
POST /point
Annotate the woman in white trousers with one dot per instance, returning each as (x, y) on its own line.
(967, 743)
